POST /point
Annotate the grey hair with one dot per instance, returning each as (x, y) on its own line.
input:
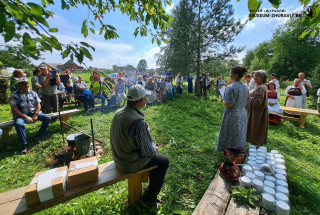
(263, 74)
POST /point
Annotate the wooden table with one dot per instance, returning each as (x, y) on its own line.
(217, 200)
(303, 114)
(14, 202)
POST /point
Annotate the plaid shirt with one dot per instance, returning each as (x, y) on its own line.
(26, 102)
(139, 130)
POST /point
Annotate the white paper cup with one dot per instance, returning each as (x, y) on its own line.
(268, 157)
(280, 177)
(279, 156)
(269, 184)
(252, 162)
(260, 158)
(259, 162)
(259, 175)
(270, 178)
(252, 150)
(262, 154)
(281, 171)
(282, 197)
(263, 149)
(246, 169)
(252, 158)
(274, 152)
(254, 168)
(258, 185)
(283, 190)
(253, 154)
(283, 167)
(282, 208)
(245, 182)
(250, 175)
(268, 201)
(269, 190)
(279, 161)
(271, 162)
(282, 183)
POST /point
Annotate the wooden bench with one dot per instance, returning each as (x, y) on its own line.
(217, 200)
(303, 114)
(6, 126)
(14, 202)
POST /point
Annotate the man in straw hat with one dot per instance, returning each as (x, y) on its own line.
(132, 147)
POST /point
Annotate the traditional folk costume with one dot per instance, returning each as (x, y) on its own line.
(275, 112)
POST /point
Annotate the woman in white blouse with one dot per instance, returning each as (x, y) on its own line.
(294, 95)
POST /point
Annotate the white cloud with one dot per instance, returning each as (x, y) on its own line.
(169, 8)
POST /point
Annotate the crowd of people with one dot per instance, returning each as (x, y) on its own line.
(251, 106)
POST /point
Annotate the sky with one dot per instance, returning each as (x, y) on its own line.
(128, 49)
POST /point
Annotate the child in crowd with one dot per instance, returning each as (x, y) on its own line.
(169, 88)
(140, 81)
(161, 91)
(69, 91)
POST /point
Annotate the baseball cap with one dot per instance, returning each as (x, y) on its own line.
(43, 66)
(274, 74)
(22, 80)
(137, 92)
(75, 79)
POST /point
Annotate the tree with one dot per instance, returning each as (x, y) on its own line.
(142, 65)
(16, 57)
(214, 28)
(286, 54)
(291, 54)
(179, 54)
(246, 61)
(262, 57)
(311, 19)
(17, 14)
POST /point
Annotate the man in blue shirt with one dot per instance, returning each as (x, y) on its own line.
(25, 107)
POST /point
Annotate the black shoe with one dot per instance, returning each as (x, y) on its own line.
(24, 150)
(148, 204)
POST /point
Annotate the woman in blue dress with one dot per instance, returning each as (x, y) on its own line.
(190, 83)
(233, 128)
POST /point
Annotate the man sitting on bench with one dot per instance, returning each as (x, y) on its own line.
(25, 107)
(132, 147)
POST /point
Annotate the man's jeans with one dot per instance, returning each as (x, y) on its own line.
(102, 97)
(21, 129)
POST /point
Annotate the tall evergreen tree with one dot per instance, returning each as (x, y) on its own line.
(214, 29)
(179, 54)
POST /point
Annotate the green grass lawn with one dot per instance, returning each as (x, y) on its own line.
(186, 130)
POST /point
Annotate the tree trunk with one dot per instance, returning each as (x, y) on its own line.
(198, 94)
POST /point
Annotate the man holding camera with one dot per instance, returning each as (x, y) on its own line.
(49, 82)
(25, 107)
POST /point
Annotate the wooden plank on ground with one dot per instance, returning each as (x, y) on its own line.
(234, 208)
(216, 198)
(108, 175)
